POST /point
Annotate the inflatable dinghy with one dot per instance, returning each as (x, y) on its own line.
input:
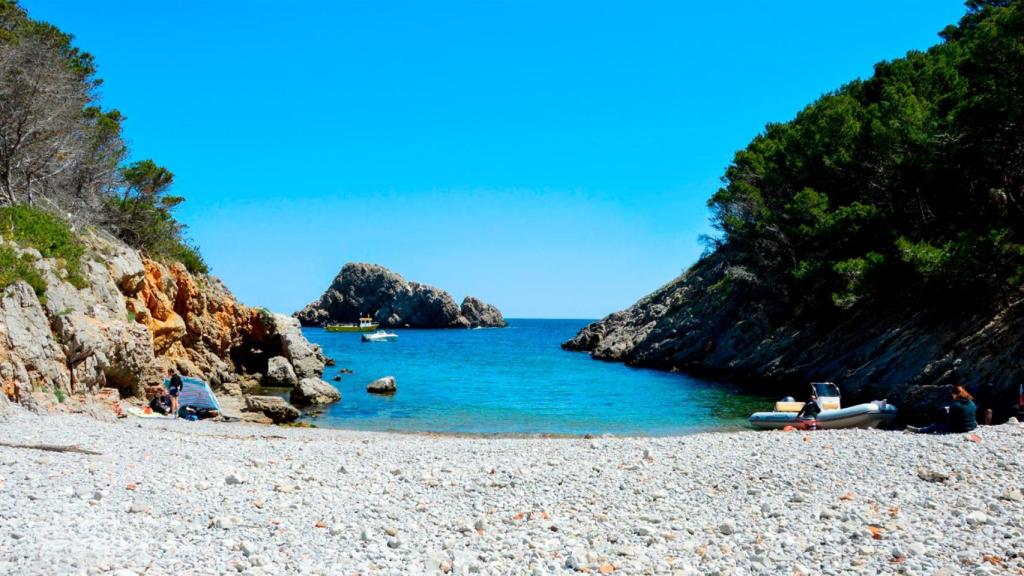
(832, 416)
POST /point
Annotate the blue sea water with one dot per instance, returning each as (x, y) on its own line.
(515, 380)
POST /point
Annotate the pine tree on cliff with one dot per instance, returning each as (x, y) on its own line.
(61, 152)
(909, 182)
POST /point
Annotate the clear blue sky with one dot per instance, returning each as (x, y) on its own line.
(553, 158)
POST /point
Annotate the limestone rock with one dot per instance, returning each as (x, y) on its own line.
(314, 392)
(7, 407)
(307, 360)
(385, 385)
(392, 301)
(273, 407)
(481, 314)
(421, 306)
(30, 357)
(154, 307)
(280, 373)
(127, 322)
(200, 328)
(125, 265)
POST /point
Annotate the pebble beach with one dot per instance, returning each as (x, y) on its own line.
(177, 497)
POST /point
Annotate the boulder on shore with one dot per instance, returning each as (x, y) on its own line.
(313, 392)
(277, 409)
(385, 385)
(306, 359)
(280, 373)
(393, 302)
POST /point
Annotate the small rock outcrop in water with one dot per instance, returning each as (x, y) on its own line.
(481, 314)
(394, 302)
(385, 385)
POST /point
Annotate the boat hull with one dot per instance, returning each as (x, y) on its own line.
(869, 415)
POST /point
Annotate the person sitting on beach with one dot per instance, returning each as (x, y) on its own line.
(808, 415)
(174, 389)
(961, 416)
(161, 404)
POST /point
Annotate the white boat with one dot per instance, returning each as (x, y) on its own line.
(380, 336)
(832, 416)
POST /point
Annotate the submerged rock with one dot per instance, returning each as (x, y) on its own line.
(392, 301)
(385, 385)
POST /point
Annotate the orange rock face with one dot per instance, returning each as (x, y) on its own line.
(195, 322)
(134, 319)
(154, 307)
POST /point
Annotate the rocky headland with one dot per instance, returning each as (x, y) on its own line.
(876, 239)
(712, 322)
(128, 320)
(393, 302)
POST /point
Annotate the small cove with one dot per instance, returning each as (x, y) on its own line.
(517, 381)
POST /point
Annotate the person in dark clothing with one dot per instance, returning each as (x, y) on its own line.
(193, 413)
(161, 404)
(808, 415)
(961, 416)
(174, 389)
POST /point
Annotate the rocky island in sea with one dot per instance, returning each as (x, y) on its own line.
(393, 302)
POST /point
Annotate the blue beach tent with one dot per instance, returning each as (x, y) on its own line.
(195, 393)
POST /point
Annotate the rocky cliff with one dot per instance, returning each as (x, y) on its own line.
(710, 322)
(132, 320)
(393, 302)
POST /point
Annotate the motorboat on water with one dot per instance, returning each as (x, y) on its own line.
(366, 324)
(380, 336)
(832, 416)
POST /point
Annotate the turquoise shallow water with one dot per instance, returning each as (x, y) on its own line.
(516, 380)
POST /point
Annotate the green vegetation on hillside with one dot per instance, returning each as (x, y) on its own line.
(32, 228)
(14, 268)
(144, 219)
(60, 151)
(909, 182)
